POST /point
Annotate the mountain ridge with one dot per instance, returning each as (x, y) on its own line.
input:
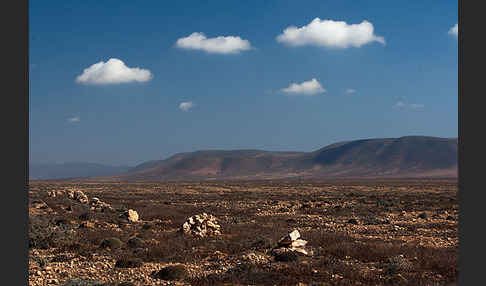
(407, 156)
(415, 156)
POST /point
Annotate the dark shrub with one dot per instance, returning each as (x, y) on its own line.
(146, 226)
(41, 261)
(287, 256)
(62, 221)
(397, 264)
(173, 272)
(262, 242)
(352, 221)
(112, 243)
(372, 221)
(291, 220)
(135, 242)
(236, 220)
(128, 263)
(85, 216)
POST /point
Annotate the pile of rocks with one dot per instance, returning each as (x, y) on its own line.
(53, 194)
(291, 242)
(98, 205)
(95, 203)
(201, 225)
(77, 195)
(39, 204)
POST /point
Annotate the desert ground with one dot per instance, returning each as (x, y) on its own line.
(352, 232)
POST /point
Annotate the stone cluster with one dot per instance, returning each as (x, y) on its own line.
(97, 205)
(77, 195)
(292, 242)
(201, 225)
(53, 194)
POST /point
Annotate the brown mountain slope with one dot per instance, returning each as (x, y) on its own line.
(411, 156)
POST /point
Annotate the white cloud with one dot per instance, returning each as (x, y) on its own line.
(454, 31)
(186, 105)
(218, 45)
(310, 87)
(114, 71)
(416, 106)
(329, 33)
(74, 119)
(403, 105)
(349, 91)
(399, 104)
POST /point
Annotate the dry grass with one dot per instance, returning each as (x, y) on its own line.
(254, 215)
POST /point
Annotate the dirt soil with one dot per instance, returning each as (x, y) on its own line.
(358, 233)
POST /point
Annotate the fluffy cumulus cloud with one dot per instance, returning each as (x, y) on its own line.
(114, 71)
(331, 34)
(454, 31)
(404, 105)
(218, 45)
(349, 91)
(185, 106)
(310, 87)
(416, 106)
(74, 119)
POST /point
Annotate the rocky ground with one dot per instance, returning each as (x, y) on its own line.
(244, 233)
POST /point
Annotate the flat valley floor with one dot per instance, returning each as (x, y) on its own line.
(357, 232)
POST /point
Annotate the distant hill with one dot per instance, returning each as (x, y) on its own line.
(411, 156)
(72, 170)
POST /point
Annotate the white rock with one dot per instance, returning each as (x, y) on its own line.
(298, 243)
(294, 235)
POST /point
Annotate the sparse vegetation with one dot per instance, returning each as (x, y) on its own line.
(112, 243)
(174, 272)
(359, 233)
(128, 262)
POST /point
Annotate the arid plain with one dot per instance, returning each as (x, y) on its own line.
(367, 232)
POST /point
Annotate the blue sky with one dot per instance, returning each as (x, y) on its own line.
(240, 88)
